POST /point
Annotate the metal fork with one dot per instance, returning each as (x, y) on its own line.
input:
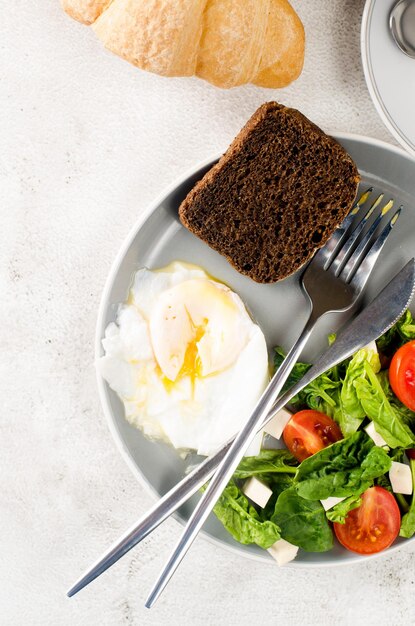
(334, 251)
(332, 283)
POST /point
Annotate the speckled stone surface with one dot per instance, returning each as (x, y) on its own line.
(86, 143)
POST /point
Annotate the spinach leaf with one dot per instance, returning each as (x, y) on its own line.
(274, 467)
(242, 520)
(233, 509)
(267, 462)
(378, 408)
(340, 510)
(302, 522)
(278, 483)
(345, 468)
(408, 520)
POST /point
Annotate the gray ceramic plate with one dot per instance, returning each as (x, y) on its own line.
(389, 73)
(158, 238)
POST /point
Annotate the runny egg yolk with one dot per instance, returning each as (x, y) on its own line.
(196, 330)
(192, 364)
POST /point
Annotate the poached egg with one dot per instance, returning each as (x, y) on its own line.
(185, 358)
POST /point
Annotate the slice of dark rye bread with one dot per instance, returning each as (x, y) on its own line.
(275, 196)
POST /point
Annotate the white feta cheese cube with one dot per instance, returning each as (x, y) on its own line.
(255, 446)
(371, 346)
(283, 551)
(277, 424)
(329, 503)
(373, 434)
(257, 491)
(401, 478)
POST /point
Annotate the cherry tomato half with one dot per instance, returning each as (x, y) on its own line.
(309, 431)
(373, 526)
(402, 374)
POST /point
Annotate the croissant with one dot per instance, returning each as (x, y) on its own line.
(226, 42)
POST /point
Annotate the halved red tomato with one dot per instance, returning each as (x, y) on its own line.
(373, 526)
(309, 431)
(402, 374)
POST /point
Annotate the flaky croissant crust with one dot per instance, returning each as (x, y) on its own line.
(226, 42)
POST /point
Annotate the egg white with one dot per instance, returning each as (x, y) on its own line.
(146, 355)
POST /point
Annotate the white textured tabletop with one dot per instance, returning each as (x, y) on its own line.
(87, 141)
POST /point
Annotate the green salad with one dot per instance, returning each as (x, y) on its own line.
(349, 467)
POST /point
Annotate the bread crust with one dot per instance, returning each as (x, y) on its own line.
(209, 213)
(156, 35)
(232, 42)
(282, 63)
(226, 42)
(85, 11)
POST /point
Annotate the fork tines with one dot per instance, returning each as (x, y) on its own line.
(359, 249)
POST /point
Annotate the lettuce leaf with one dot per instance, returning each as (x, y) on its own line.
(338, 398)
(340, 510)
(349, 412)
(238, 515)
(400, 333)
(316, 392)
(334, 393)
(302, 522)
(348, 393)
(339, 392)
(378, 408)
(241, 519)
(342, 404)
(321, 393)
(405, 414)
(347, 467)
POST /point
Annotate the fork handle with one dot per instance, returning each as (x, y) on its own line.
(180, 493)
(230, 462)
